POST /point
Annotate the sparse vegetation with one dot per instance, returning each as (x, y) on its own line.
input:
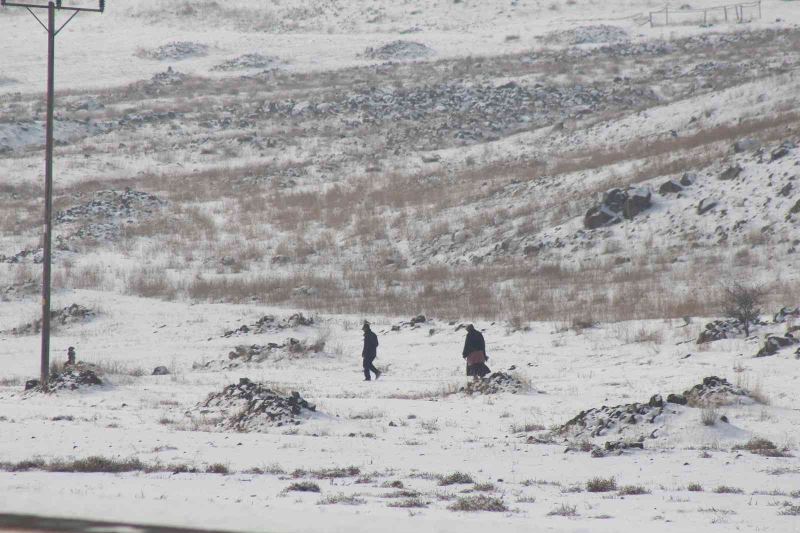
(694, 487)
(303, 486)
(564, 510)
(725, 489)
(632, 490)
(599, 484)
(479, 503)
(455, 478)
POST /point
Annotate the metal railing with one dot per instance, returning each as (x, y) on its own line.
(741, 12)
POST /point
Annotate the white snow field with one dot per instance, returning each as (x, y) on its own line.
(239, 185)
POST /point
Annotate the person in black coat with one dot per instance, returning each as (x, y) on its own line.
(475, 353)
(369, 353)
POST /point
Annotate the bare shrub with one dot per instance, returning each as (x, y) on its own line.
(742, 302)
(633, 490)
(341, 499)
(709, 415)
(694, 487)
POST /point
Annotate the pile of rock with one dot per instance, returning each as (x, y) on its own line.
(175, 51)
(71, 378)
(628, 425)
(712, 391)
(249, 406)
(496, 383)
(721, 329)
(786, 313)
(399, 50)
(596, 34)
(71, 314)
(615, 420)
(247, 62)
(618, 205)
(269, 323)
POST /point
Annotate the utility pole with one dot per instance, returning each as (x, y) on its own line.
(51, 30)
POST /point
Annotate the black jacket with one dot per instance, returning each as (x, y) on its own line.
(474, 343)
(370, 350)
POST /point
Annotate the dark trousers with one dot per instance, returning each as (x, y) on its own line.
(369, 367)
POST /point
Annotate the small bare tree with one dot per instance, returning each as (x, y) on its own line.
(743, 302)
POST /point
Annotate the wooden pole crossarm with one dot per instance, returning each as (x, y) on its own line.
(42, 6)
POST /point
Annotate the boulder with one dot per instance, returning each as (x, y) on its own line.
(669, 187)
(616, 205)
(731, 172)
(782, 150)
(679, 399)
(786, 312)
(706, 205)
(688, 179)
(774, 343)
(160, 371)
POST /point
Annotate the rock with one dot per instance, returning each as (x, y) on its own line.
(669, 187)
(419, 319)
(431, 158)
(782, 150)
(679, 399)
(688, 179)
(794, 210)
(746, 145)
(656, 401)
(616, 205)
(706, 205)
(786, 190)
(160, 371)
(720, 329)
(774, 343)
(785, 313)
(732, 172)
(249, 61)
(32, 384)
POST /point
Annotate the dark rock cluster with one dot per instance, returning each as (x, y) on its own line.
(250, 406)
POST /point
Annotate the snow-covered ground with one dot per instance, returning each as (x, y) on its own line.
(409, 426)
(217, 162)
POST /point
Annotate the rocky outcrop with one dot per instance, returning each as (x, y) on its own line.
(618, 205)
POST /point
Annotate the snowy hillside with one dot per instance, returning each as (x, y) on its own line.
(239, 185)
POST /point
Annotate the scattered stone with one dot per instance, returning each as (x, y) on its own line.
(731, 172)
(399, 50)
(616, 205)
(720, 329)
(248, 406)
(160, 371)
(103, 217)
(679, 399)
